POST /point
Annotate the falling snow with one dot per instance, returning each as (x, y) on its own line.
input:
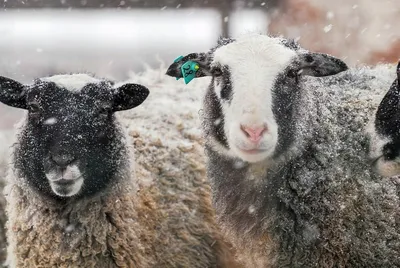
(328, 28)
(50, 121)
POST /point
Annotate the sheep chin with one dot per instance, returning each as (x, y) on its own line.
(65, 182)
(387, 168)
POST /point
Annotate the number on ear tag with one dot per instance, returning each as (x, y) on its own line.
(189, 70)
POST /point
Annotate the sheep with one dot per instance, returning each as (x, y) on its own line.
(384, 132)
(286, 149)
(73, 198)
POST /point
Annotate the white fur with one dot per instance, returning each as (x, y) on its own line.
(50, 121)
(72, 175)
(254, 62)
(387, 168)
(73, 83)
(384, 167)
(376, 141)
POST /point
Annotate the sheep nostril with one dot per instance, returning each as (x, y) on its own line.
(243, 129)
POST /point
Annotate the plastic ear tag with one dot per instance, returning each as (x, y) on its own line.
(188, 70)
(176, 60)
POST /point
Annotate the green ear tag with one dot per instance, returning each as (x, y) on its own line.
(176, 60)
(189, 70)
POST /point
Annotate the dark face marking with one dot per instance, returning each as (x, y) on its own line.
(222, 80)
(213, 118)
(286, 98)
(387, 121)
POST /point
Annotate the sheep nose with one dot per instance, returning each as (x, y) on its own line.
(63, 160)
(254, 134)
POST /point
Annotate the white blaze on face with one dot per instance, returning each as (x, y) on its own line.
(72, 82)
(65, 182)
(254, 63)
(386, 168)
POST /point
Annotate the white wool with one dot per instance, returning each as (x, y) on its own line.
(170, 104)
(73, 83)
(7, 138)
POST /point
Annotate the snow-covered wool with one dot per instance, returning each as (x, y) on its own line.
(6, 139)
(287, 156)
(385, 134)
(73, 198)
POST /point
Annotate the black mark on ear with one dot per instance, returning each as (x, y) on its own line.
(12, 93)
(318, 64)
(129, 96)
(203, 59)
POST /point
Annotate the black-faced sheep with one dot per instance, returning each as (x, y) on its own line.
(287, 156)
(73, 199)
(385, 132)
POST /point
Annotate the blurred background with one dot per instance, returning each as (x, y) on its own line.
(111, 38)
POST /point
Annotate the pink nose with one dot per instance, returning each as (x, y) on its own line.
(254, 134)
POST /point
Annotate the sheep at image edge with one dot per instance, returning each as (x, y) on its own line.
(384, 131)
(287, 155)
(73, 199)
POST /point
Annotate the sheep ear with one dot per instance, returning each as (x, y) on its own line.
(129, 96)
(12, 93)
(389, 105)
(319, 64)
(202, 59)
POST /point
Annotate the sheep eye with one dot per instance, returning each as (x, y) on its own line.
(34, 108)
(216, 72)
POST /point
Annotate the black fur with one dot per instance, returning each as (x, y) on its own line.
(224, 81)
(286, 100)
(291, 43)
(213, 123)
(12, 93)
(387, 119)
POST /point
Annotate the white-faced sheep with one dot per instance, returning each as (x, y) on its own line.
(385, 132)
(73, 199)
(287, 156)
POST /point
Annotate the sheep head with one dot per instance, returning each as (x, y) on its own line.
(70, 144)
(256, 82)
(385, 142)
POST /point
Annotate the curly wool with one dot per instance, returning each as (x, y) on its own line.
(160, 217)
(321, 205)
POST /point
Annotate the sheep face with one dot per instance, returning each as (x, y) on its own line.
(385, 136)
(70, 144)
(254, 90)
